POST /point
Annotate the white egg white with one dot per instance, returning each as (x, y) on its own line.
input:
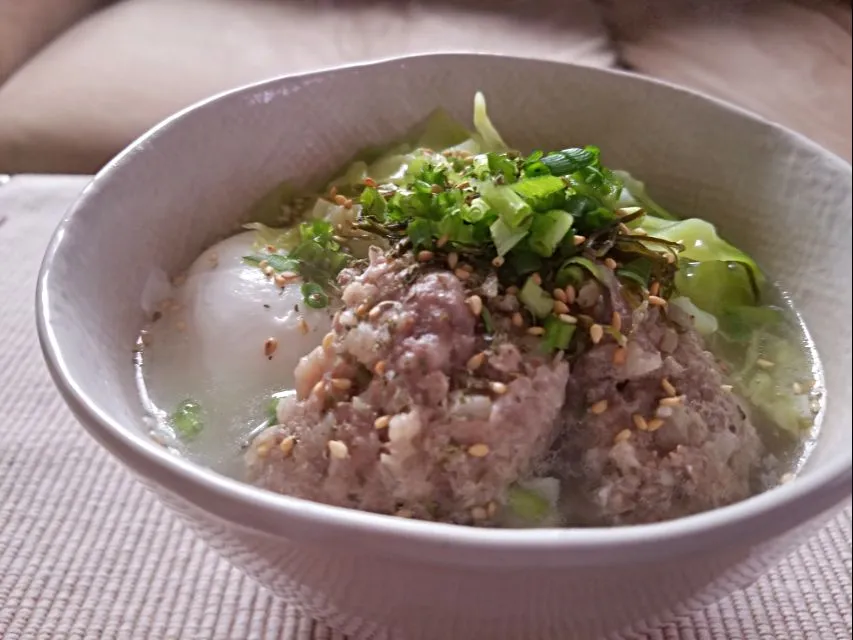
(209, 346)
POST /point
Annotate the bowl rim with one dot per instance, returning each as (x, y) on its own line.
(812, 494)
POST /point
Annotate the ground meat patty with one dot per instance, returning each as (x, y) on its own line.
(407, 408)
(652, 432)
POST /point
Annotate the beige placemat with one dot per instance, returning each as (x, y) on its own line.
(85, 552)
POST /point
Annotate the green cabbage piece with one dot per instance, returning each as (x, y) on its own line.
(486, 135)
(634, 194)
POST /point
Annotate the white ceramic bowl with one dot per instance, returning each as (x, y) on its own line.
(192, 178)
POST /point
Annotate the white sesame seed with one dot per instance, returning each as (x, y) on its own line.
(270, 346)
(342, 384)
(616, 321)
(475, 303)
(654, 424)
(622, 436)
(568, 319)
(476, 361)
(479, 450)
(598, 408)
(338, 450)
(498, 387)
(286, 445)
(491, 509)
(536, 331)
(596, 333)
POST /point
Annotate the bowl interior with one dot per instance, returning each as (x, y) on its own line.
(191, 181)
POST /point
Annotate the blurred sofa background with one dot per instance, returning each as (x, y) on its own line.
(79, 79)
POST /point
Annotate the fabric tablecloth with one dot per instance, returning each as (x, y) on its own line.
(86, 552)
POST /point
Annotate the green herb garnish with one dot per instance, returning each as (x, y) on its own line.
(528, 505)
(187, 420)
(314, 296)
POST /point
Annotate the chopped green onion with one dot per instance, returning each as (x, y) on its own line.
(558, 335)
(510, 206)
(505, 237)
(567, 161)
(487, 320)
(627, 274)
(453, 227)
(476, 211)
(480, 166)
(638, 270)
(527, 505)
(595, 269)
(548, 230)
(542, 193)
(569, 275)
(502, 165)
(536, 299)
(272, 410)
(314, 295)
(186, 420)
(524, 261)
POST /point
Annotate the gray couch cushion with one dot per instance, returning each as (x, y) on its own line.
(115, 74)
